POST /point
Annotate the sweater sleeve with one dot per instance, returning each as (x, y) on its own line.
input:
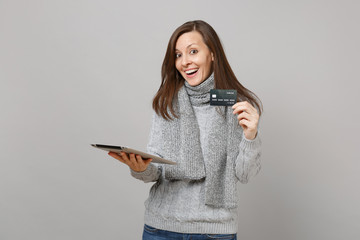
(247, 164)
(154, 170)
(151, 174)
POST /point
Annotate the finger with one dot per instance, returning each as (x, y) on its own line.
(239, 110)
(147, 161)
(252, 113)
(238, 104)
(244, 123)
(116, 156)
(141, 164)
(244, 115)
(254, 118)
(242, 103)
(142, 161)
(249, 106)
(132, 158)
(244, 106)
(139, 159)
(125, 157)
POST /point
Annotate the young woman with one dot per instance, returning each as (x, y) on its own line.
(214, 147)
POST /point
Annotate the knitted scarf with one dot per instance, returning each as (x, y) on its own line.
(179, 140)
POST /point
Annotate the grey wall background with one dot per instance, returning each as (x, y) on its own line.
(79, 72)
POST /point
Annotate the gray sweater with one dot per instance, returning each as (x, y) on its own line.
(179, 205)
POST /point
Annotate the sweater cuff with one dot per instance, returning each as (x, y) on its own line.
(247, 144)
(148, 171)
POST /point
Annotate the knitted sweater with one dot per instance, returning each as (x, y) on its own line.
(179, 205)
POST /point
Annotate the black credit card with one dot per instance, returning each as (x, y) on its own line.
(222, 97)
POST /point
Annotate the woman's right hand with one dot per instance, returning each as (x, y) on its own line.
(135, 162)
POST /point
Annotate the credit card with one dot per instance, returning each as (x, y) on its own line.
(222, 97)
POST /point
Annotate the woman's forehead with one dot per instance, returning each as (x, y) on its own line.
(190, 38)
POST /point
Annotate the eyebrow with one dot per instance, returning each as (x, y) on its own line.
(187, 46)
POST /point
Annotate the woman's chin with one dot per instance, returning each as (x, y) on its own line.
(194, 81)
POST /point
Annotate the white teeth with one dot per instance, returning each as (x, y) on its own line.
(190, 71)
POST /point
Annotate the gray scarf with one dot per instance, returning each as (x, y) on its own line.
(179, 140)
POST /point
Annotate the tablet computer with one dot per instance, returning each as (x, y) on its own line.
(118, 149)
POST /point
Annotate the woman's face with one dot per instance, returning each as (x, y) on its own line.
(193, 58)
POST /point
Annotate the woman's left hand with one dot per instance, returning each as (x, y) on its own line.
(248, 118)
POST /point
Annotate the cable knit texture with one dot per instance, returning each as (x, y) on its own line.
(198, 194)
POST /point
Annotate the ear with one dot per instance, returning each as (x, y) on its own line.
(212, 57)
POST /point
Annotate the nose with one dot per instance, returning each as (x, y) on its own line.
(185, 60)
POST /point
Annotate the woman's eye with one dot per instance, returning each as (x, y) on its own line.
(193, 51)
(177, 55)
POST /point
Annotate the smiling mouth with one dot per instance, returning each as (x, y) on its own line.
(191, 72)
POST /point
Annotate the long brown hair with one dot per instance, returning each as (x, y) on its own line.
(172, 80)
